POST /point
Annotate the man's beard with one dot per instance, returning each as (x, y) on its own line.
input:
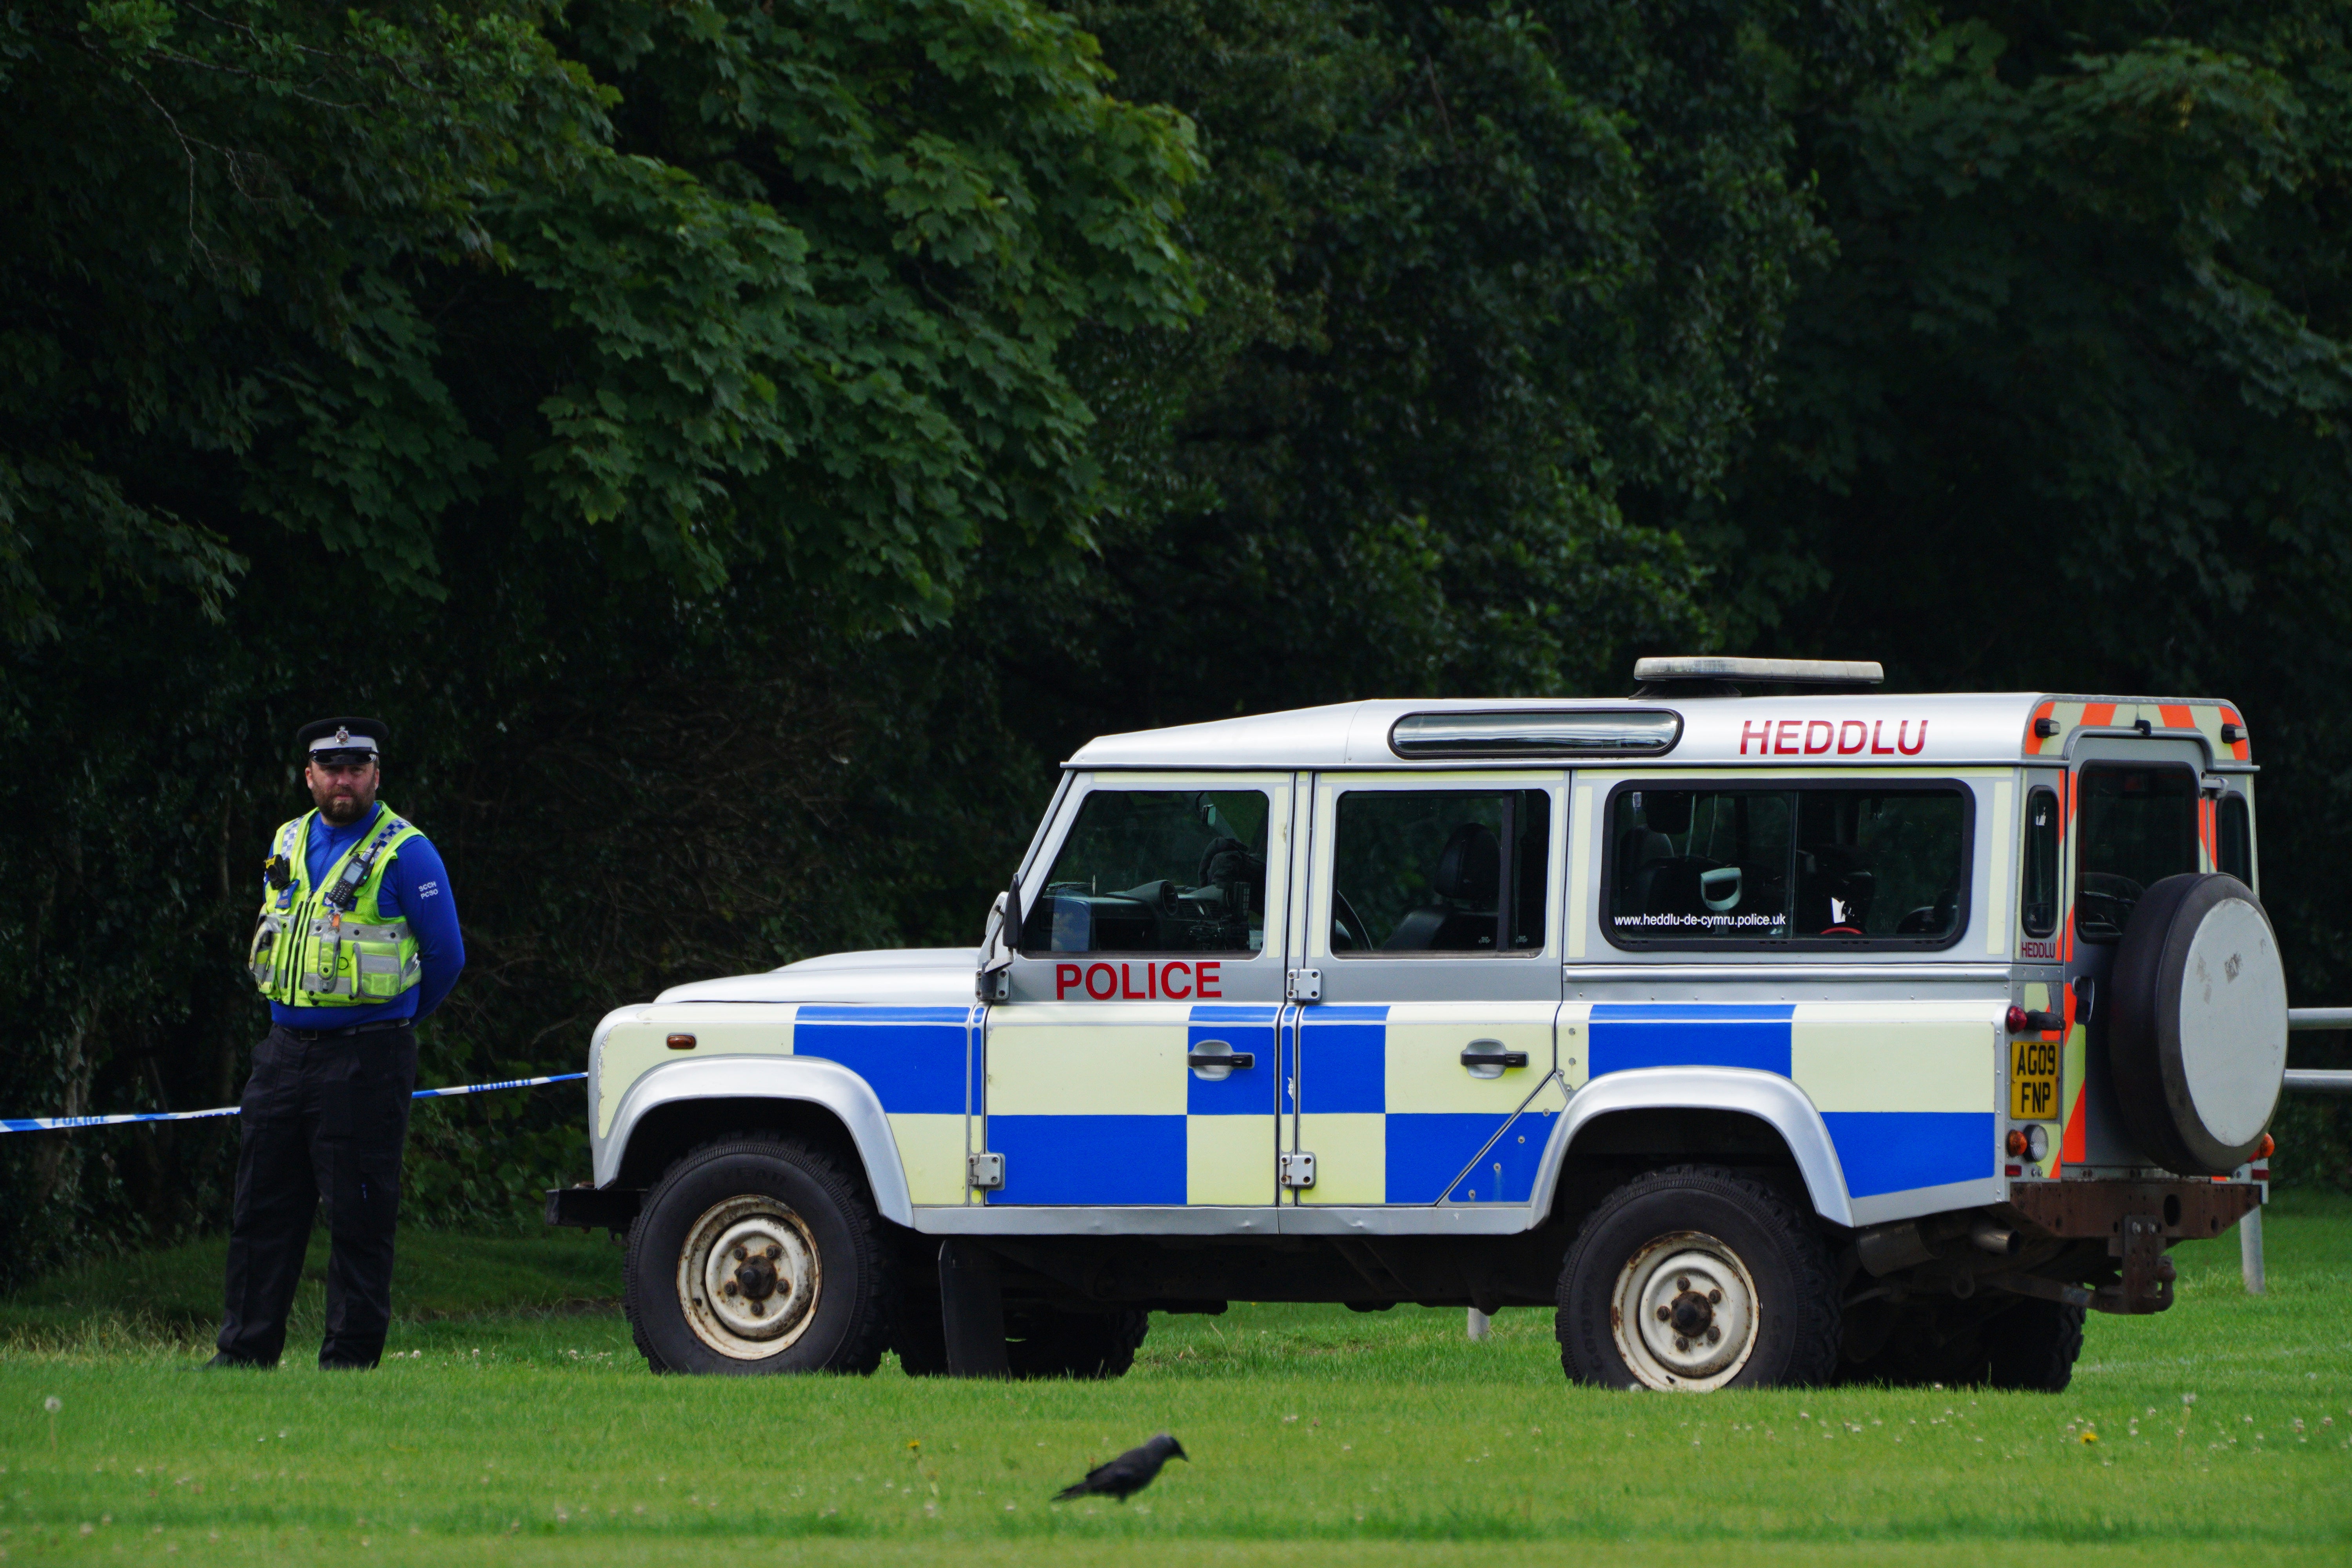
(341, 809)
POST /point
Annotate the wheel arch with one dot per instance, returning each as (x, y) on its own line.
(1702, 1104)
(680, 1104)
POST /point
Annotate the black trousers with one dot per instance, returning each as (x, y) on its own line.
(324, 1116)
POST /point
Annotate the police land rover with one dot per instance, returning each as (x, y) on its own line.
(1770, 1039)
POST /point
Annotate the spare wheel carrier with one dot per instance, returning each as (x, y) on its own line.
(2196, 1040)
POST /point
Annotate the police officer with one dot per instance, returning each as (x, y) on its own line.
(358, 939)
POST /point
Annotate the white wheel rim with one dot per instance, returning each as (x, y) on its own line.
(1683, 1313)
(747, 1278)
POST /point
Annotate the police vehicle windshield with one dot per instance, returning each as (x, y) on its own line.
(1157, 871)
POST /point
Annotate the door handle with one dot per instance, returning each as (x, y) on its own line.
(1221, 1063)
(1487, 1058)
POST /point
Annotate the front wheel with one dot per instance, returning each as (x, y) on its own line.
(1694, 1278)
(757, 1256)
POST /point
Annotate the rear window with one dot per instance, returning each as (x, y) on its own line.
(1816, 865)
(2237, 832)
(2137, 826)
(2038, 908)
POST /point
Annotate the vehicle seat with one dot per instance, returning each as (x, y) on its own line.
(1931, 920)
(1833, 871)
(1469, 869)
(1643, 855)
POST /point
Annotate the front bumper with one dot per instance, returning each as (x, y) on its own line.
(590, 1208)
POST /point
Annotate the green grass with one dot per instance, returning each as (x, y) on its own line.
(516, 1427)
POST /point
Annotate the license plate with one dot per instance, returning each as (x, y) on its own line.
(2033, 1081)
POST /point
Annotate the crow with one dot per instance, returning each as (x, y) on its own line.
(1129, 1474)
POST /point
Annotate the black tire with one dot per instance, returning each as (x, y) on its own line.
(1044, 1342)
(918, 1331)
(1675, 1234)
(2033, 1345)
(736, 1192)
(2196, 1042)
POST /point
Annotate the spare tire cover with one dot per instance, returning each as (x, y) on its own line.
(2197, 1037)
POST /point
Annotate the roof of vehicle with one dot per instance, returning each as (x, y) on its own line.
(1877, 730)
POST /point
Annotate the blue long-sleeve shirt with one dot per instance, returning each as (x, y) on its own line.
(415, 885)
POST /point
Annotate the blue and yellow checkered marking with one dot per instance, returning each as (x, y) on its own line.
(1393, 1118)
(1093, 1104)
(1907, 1089)
(1665, 1035)
(912, 1058)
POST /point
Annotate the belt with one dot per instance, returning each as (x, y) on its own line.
(377, 1026)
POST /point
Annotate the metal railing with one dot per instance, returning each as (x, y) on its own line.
(2308, 1081)
(2319, 1080)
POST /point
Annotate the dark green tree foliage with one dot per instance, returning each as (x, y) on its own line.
(1469, 271)
(592, 454)
(384, 272)
(2073, 408)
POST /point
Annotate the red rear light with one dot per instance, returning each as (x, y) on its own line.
(2266, 1148)
(2016, 1144)
(681, 1042)
(2016, 1019)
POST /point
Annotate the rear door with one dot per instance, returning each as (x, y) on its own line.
(1133, 1061)
(2138, 817)
(1424, 1071)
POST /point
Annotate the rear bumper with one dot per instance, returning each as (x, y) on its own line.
(2137, 1221)
(2182, 1211)
(590, 1208)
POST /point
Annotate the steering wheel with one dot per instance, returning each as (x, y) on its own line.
(1841, 931)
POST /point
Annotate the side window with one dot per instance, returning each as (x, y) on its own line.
(2038, 896)
(1440, 871)
(1696, 867)
(2135, 826)
(1157, 871)
(2237, 828)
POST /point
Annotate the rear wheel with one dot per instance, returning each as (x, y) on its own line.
(757, 1256)
(2033, 1345)
(1046, 1341)
(1694, 1279)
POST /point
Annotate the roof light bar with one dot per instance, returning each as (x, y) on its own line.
(1538, 732)
(1771, 671)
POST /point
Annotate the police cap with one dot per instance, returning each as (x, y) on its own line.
(333, 742)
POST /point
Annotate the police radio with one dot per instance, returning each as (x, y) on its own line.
(344, 891)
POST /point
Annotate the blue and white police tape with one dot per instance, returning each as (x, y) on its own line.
(58, 1123)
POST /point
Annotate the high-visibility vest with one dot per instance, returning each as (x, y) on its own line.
(330, 946)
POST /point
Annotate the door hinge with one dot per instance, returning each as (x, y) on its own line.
(1303, 985)
(1298, 1169)
(987, 1170)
